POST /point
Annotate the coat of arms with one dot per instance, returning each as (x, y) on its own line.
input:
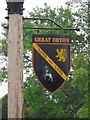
(51, 60)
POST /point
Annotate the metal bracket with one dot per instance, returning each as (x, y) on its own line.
(49, 28)
(15, 7)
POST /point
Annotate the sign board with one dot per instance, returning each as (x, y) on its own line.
(51, 60)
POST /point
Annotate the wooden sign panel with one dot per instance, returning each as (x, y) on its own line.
(51, 60)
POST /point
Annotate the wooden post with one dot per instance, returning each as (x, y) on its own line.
(15, 66)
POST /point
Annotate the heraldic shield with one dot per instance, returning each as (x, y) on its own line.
(51, 60)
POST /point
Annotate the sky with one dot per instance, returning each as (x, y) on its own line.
(28, 5)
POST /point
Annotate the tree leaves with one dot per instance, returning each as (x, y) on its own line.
(71, 101)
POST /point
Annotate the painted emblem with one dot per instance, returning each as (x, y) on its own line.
(61, 55)
(47, 74)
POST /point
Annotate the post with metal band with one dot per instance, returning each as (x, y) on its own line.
(15, 58)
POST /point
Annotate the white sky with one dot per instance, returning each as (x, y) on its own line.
(28, 5)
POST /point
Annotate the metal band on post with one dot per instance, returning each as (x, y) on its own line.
(15, 6)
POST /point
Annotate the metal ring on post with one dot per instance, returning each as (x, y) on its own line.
(15, 6)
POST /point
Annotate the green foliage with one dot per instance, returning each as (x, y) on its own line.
(80, 76)
(0, 76)
(33, 96)
(4, 107)
(4, 41)
(83, 112)
(40, 104)
(80, 80)
(3, 74)
(71, 101)
(0, 108)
